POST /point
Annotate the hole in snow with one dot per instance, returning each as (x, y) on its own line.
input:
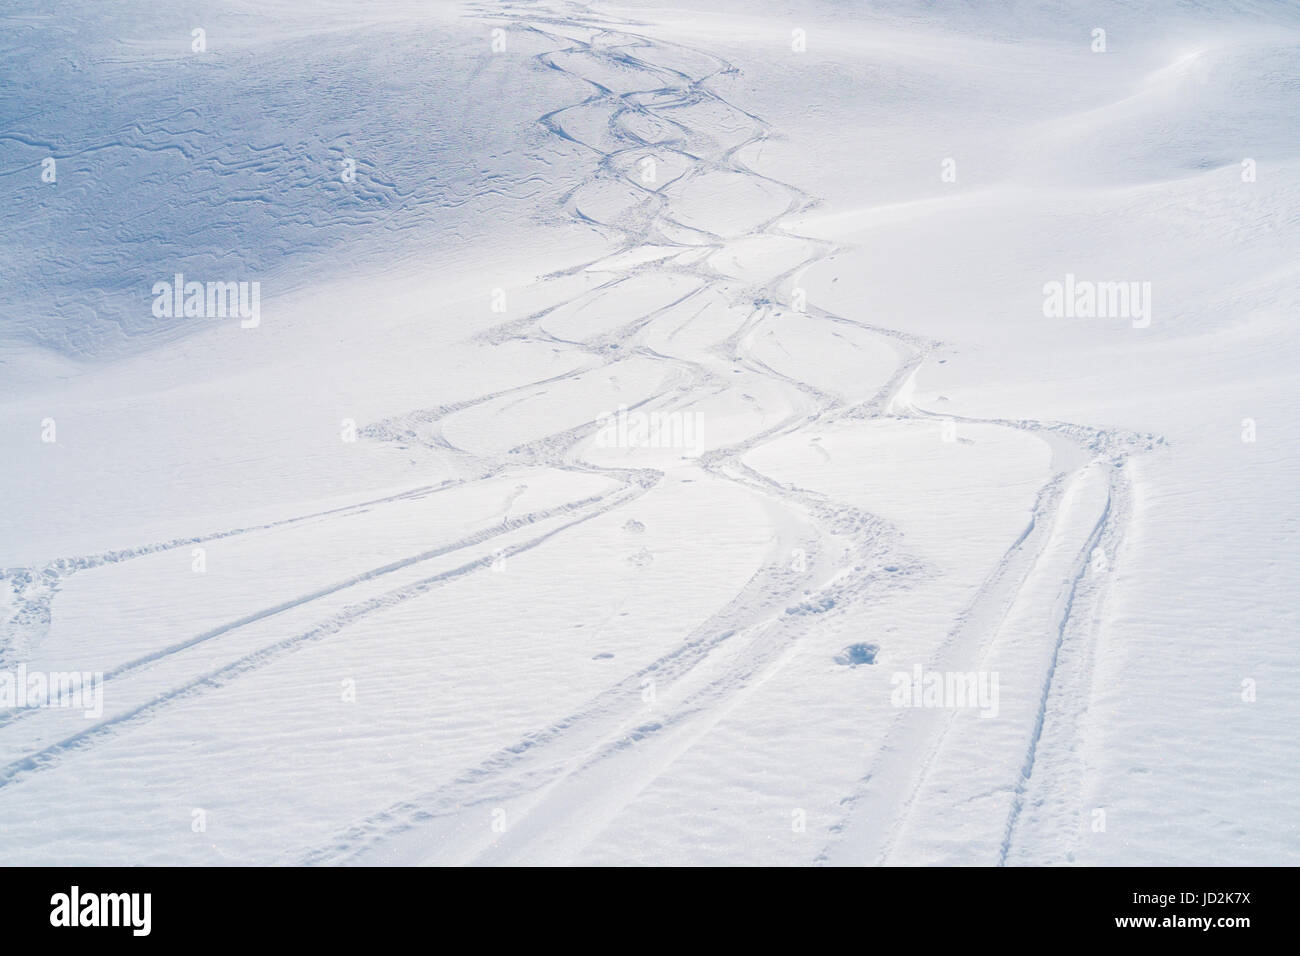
(856, 654)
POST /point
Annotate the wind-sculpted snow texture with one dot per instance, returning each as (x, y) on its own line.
(657, 443)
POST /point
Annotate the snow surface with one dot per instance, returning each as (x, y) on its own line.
(560, 513)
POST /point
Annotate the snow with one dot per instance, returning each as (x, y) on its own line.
(654, 401)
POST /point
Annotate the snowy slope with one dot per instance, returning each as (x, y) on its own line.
(642, 396)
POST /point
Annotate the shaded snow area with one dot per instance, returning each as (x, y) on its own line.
(649, 433)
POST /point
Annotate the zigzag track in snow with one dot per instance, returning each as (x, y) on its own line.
(591, 762)
(488, 781)
(1096, 442)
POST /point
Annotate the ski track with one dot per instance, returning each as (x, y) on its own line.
(564, 766)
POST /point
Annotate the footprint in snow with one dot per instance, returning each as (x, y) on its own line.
(513, 497)
(856, 654)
